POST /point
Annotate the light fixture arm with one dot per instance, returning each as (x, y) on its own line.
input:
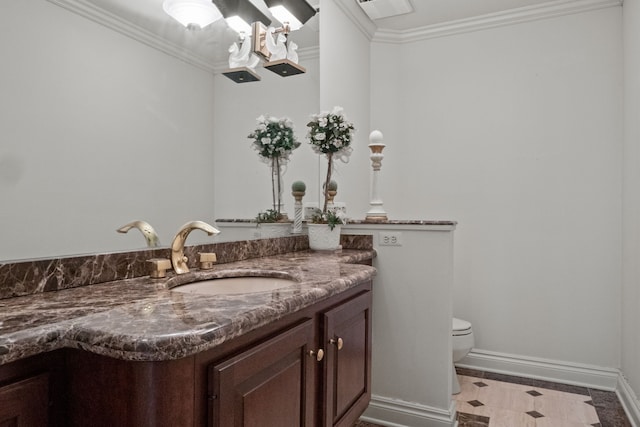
(285, 29)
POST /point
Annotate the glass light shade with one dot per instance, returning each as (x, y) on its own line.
(283, 15)
(238, 24)
(199, 13)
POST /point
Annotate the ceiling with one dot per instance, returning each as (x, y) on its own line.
(146, 21)
(432, 12)
(207, 47)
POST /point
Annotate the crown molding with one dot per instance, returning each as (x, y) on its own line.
(352, 12)
(514, 16)
(356, 15)
(129, 29)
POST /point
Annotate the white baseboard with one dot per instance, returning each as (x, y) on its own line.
(629, 400)
(551, 370)
(397, 413)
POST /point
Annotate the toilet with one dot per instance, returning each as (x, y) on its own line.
(462, 343)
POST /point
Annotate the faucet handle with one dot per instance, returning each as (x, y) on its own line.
(158, 267)
(207, 260)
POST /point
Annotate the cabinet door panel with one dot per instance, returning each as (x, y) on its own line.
(350, 363)
(269, 385)
(347, 337)
(25, 403)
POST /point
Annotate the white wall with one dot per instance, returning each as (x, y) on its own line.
(631, 194)
(411, 356)
(345, 82)
(515, 132)
(97, 130)
(243, 187)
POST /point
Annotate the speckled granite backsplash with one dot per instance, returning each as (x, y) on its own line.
(42, 275)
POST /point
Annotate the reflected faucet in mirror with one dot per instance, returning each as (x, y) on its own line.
(147, 231)
(178, 260)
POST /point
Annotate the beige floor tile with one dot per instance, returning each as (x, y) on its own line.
(464, 407)
(506, 398)
(467, 379)
(566, 409)
(499, 417)
(563, 395)
(554, 422)
(468, 391)
(510, 386)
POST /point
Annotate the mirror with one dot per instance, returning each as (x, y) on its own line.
(100, 129)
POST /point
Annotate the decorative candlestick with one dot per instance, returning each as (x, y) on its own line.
(298, 191)
(376, 213)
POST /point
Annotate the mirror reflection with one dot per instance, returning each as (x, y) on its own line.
(101, 129)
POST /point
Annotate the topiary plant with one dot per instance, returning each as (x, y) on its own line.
(299, 186)
(270, 215)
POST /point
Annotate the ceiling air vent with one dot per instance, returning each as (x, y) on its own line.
(378, 9)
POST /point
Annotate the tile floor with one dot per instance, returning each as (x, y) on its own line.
(495, 400)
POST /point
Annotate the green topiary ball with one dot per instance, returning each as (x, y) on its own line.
(298, 186)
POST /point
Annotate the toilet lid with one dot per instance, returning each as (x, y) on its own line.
(460, 327)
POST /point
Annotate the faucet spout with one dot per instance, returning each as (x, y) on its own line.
(178, 260)
(147, 231)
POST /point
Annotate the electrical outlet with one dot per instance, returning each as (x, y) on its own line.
(390, 239)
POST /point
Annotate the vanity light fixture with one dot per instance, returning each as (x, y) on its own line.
(242, 75)
(280, 54)
(239, 14)
(238, 24)
(292, 13)
(285, 61)
(284, 67)
(193, 14)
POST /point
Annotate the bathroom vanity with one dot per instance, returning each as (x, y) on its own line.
(135, 353)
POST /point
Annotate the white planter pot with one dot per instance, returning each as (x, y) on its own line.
(322, 238)
(270, 230)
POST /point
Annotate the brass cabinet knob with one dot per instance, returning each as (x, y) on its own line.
(338, 343)
(319, 355)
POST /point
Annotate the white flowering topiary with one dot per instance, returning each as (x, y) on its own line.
(274, 141)
(330, 134)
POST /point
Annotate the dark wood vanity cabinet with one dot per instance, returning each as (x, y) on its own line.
(347, 374)
(308, 369)
(317, 373)
(269, 385)
(32, 392)
(25, 403)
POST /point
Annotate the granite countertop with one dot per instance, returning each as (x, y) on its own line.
(142, 319)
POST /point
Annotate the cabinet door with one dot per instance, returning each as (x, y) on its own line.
(269, 385)
(347, 339)
(25, 403)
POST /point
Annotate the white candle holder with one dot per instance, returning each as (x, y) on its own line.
(376, 213)
(297, 218)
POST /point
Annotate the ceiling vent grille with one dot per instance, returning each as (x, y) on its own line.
(378, 9)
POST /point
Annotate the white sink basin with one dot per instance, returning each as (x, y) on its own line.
(234, 285)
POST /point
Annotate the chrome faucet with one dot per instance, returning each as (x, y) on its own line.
(147, 231)
(178, 260)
